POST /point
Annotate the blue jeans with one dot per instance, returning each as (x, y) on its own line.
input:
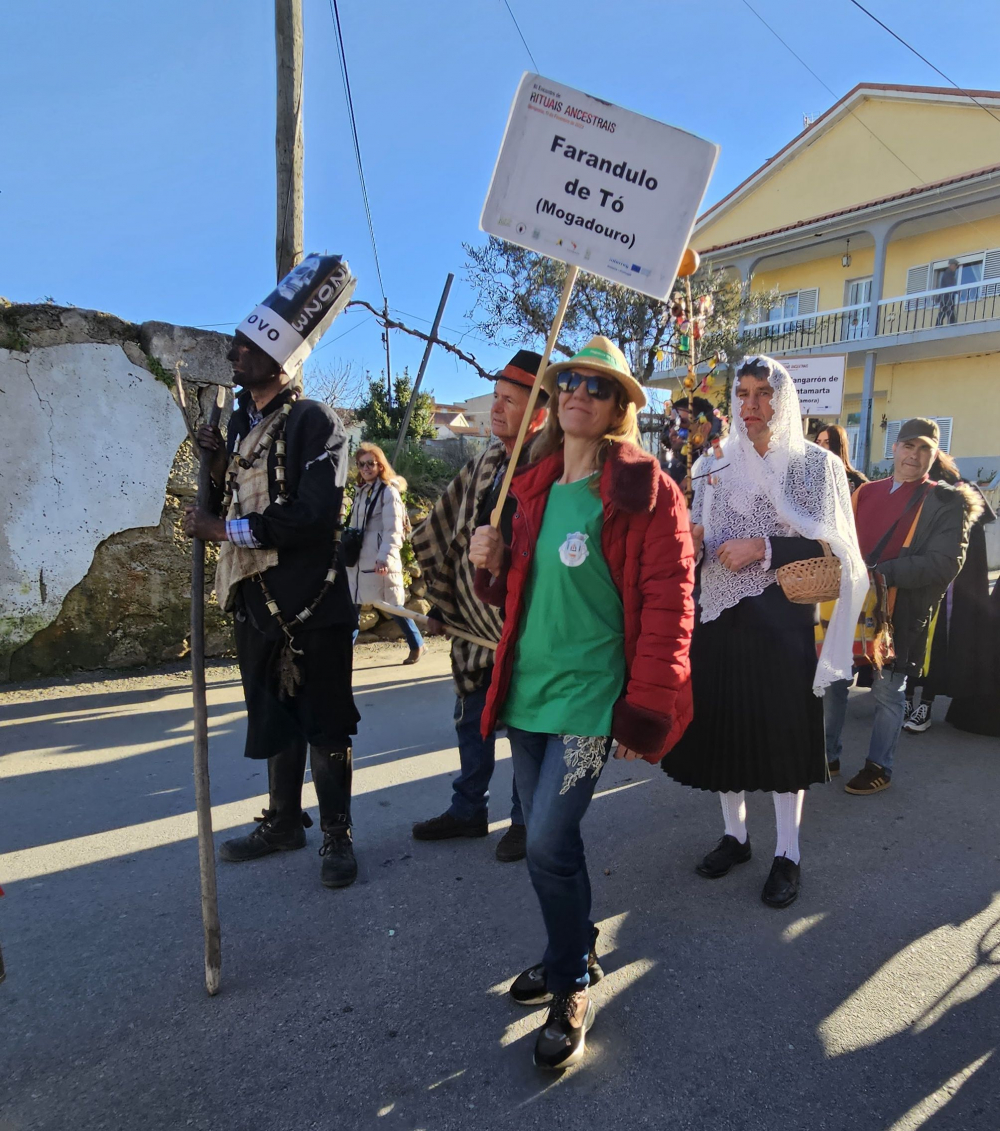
(556, 783)
(889, 689)
(410, 632)
(471, 789)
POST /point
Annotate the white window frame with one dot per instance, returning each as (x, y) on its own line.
(945, 423)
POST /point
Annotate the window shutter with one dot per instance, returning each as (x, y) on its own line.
(892, 432)
(808, 300)
(991, 271)
(917, 279)
(944, 423)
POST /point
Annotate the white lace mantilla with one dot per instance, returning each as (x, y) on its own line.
(797, 489)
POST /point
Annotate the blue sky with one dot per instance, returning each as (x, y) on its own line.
(138, 151)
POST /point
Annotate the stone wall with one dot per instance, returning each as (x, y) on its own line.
(94, 569)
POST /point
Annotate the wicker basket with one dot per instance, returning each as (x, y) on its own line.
(811, 581)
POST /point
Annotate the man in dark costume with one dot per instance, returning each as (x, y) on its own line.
(279, 482)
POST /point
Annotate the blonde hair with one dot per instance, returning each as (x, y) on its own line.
(624, 428)
(386, 471)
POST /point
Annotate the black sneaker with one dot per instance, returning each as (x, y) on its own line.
(269, 836)
(872, 779)
(782, 886)
(562, 1040)
(834, 768)
(513, 845)
(727, 853)
(446, 826)
(907, 711)
(340, 869)
(529, 988)
(919, 720)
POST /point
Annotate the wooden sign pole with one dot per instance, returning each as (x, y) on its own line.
(567, 291)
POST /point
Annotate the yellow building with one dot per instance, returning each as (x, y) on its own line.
(854, 223)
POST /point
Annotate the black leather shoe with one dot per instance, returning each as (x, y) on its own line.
(782, 887)
(446, 826)
(269, 836)
(726, 853)
(513, 845)
(530, 987)
(340, 869)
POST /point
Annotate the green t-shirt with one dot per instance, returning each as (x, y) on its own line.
(569, 661)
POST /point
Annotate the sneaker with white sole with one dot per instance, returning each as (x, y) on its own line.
(562, 1040)
(919, 720)
(531, 986)
(907, 711)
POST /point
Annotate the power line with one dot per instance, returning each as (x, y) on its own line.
(923, 58)
(859, 120)
(335, 14)
(343, 335)
(521, 34)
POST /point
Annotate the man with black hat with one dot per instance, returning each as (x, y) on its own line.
(277, 519)
(441, 545)
(914, 532)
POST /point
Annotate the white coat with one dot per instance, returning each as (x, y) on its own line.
(382, 542)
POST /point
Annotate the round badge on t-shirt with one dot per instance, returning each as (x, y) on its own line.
(573, 551)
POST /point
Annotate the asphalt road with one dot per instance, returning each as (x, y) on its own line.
(870, 1004)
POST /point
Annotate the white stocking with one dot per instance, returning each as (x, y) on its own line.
(788, 817)
(734, 810)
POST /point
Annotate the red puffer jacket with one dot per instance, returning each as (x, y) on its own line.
(646, 542)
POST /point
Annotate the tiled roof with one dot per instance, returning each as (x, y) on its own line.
(915, 191)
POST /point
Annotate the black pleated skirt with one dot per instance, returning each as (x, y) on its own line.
(757, 724)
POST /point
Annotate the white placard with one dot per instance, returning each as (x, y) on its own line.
(820, 383)
(611, 191)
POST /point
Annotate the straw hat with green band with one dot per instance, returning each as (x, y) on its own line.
(604, 357)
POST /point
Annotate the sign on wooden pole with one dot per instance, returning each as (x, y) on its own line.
(598, 187)
(610, 191)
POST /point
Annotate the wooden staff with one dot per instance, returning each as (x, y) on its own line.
(202, 789)
(522, 432)
(689, 264)
(419, 618)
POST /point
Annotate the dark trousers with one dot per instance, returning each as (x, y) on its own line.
(332, 771)
(471, 789)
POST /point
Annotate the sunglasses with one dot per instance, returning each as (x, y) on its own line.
(367, 463)
(600, 388)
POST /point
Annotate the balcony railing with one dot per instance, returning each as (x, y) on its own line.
(926, 310)
(946, 306)
(826, 328)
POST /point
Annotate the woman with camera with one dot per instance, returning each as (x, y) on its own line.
(374, 537)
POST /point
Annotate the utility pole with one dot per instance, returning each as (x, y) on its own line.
(388, 366)
(288, 134)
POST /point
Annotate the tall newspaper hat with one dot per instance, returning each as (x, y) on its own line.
(298, 312)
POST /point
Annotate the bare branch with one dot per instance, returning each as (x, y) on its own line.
(392, 324)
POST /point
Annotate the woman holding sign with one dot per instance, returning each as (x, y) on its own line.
(596, 586)
(758, 711)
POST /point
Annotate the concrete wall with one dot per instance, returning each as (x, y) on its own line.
(94, 569)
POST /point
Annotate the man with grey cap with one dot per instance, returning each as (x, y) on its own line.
(913, 532)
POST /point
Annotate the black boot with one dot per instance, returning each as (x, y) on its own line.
(281, 827)
(332, 772)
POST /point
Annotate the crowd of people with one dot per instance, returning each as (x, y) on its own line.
(606, 616)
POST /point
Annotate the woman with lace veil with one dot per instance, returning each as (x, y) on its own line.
(758, 708)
